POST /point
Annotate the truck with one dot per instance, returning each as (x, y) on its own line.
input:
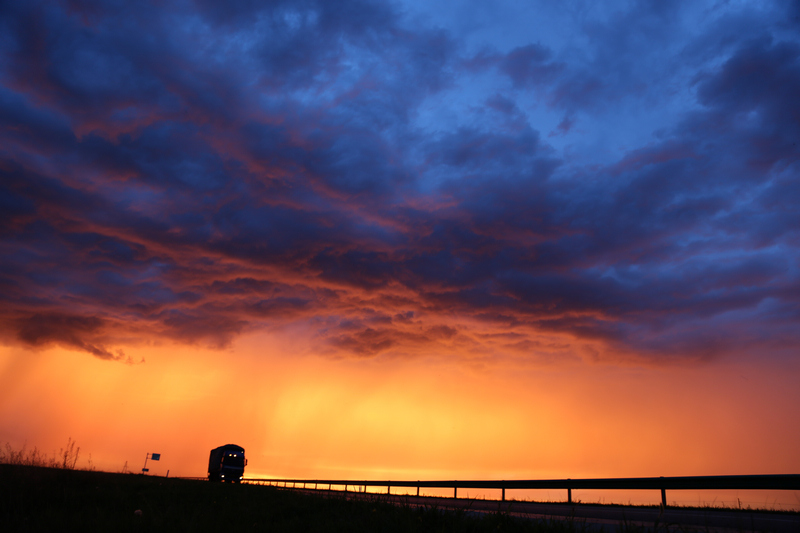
(227, 463)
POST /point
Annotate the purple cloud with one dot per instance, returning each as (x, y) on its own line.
(197, 174)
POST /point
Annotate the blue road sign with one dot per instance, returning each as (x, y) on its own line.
(155, 457)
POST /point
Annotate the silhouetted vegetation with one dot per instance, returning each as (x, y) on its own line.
(54, 499)
(66, 458)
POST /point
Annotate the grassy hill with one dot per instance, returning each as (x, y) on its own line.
(53, 499)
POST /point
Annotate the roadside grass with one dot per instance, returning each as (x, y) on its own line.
(66, 458)
(35, 498)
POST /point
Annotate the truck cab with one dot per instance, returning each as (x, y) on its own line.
(227, 463)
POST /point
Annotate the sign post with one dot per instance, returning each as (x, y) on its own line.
(152, 457)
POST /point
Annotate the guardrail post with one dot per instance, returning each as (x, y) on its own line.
(388, 489)
(417, 488)
(504, 494)
(569, 495)
(663, 497)
(455, 492)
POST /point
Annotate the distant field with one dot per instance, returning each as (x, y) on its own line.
(51, 499)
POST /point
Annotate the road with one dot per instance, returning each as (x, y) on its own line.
(609, 517)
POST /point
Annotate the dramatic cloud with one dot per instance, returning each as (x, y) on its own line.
(626, 188)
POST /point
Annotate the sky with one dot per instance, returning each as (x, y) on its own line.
(403, 239)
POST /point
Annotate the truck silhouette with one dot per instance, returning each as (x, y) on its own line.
(226, 463)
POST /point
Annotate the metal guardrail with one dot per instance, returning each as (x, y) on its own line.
(749, 482)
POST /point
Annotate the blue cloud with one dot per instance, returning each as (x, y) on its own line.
(211, 171)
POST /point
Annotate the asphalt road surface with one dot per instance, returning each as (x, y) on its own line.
(610, 518)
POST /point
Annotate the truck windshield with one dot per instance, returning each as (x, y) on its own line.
(233, 459)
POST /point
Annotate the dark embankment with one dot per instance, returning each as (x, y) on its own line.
(49, 499)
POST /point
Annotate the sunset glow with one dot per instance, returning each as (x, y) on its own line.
(403, 240)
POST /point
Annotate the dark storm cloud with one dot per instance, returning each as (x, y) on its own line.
(73, 331)
(196, 173)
